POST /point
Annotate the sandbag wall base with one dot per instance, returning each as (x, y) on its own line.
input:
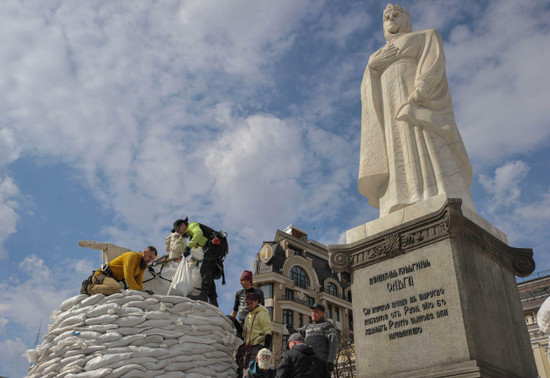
(134, 334)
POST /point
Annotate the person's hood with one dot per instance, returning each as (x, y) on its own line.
(304, 348)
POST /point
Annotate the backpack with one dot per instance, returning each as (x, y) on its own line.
(218, 238)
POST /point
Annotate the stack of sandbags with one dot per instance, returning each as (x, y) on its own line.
(134, 334)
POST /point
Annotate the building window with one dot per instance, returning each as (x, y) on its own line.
(288, 317)
(270, 311)
(329, 311)
(349, 295)
(310, 301)
(299, 276)
(332, 289)
(267, 289)
(350, 320)
(337, 313)
(300, 320)
(289, 295)
(297, 253)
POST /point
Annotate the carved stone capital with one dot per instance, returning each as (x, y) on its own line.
(448, 222)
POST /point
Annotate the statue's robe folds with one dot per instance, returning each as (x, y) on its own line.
(410, 151)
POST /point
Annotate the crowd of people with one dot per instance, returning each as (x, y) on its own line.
(311, 348)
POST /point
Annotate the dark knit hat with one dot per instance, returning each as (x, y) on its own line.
(246, 276)
(319, 307)
(296, 337)
(177, 224)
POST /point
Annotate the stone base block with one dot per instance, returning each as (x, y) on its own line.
(437, 297)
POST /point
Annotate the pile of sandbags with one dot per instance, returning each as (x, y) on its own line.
(134, 334)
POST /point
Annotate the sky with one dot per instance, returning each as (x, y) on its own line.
(118, 117)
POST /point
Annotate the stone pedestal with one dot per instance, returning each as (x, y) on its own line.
(436, 297)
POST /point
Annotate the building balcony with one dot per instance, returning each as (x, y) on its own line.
(296, 300)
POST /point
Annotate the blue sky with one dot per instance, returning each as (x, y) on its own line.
(117, 117)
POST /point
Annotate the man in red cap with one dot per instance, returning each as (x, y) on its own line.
(240, 304)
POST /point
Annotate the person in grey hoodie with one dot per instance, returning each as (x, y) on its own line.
(320, 335)
(301, 361)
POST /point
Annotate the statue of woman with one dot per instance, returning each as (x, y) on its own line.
(411, 149)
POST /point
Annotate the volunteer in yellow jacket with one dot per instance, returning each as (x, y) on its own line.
(128, 267)
(257, 333)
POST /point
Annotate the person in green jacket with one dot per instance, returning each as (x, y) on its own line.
(214, 246)
(257, 332)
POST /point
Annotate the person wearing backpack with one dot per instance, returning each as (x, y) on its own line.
(215, 248)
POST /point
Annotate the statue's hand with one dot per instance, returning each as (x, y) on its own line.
(383, 57)
(92, 244)
(417, 96)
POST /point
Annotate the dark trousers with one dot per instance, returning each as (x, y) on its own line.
(208, 286)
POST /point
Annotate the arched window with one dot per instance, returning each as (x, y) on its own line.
(331, 289)
(299, 276)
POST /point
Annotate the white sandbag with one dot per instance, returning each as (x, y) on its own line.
(167, 334)
(174, 374)
(73, 320)
(196, 277)
(99, 373)
(92, 300)
(100, 327)
(149, 341)
(143, 374)
(204, 372)
(69, 370)
(131, 321)
(173, 299)
(157, 314)
(116, 373)
(140, 304)
(130, 311)
(109, 336)
(126, 340)
(86, 335)
(129, 330)
(103, 319)
(181, 307)
(157, 323)
(105, 360)
(67, 304)
(144, 351)
(107, 308)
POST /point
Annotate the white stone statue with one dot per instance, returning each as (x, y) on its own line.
(411, 149)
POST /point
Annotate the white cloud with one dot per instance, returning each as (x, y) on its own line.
(505, 186)
(9, 194)
(13, 360)
(499, 80)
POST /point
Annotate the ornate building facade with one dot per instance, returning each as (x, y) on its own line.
(532, 293)
(293, 273)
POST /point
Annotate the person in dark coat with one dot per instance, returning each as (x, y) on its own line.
(320, 334)
(240, 307)
(301, 361)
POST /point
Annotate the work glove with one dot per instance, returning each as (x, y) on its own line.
(330, 367)
(186, 251)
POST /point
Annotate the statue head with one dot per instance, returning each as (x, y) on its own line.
(396, 21)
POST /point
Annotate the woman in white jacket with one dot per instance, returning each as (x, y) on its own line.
(175, 244)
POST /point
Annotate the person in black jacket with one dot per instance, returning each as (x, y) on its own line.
(240, 304)
(301, 361)
(320, 334)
